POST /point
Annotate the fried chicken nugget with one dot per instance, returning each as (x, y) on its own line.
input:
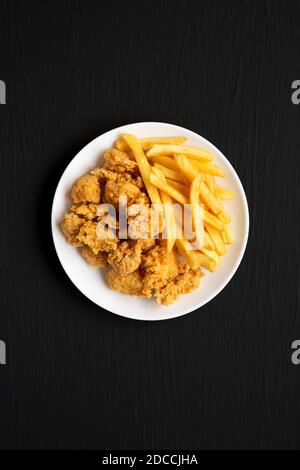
(185, 282)
(114, 190)
(130, 284)
(126, 258)
(89, 234)
(98, 261)
(88, 211)
(86, 189)
(103, 175)
(160, 267)
(120, 162)
(70, 226)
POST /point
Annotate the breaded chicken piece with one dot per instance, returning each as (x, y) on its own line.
(126, 258)
(88, 211)
(86, 189)
(116, 189)
(160, 267)
(97, 238)
(138, 181)
(120, 162)
(186, 281)
(102, 173)
(71, 225)
(131, 284)
(146, 244)
(98, 261)
(143, 222)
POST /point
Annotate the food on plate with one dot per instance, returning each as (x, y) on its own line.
(131, 216)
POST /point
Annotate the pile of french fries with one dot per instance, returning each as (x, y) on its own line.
(174, 172)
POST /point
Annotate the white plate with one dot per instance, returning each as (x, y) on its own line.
(91, 282)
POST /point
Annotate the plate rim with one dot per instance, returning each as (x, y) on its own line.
(237, 262)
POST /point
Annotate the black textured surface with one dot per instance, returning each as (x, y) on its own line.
(78, 377)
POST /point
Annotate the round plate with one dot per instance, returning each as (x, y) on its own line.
(91, 281)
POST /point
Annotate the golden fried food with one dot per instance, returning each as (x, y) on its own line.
(141, 260)
(118, 161)
(126, 258)
(71, 225)
(97, 238)
(88, 211)
(86, 189)
(131, 284)
(116, 189)
(98, 261)
(159, 266)
(185, 282)
(144, 222)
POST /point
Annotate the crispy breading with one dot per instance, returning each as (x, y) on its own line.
(131, 284)
(143, 222)
(103, 174)
(88, 211)
(186, 281)
(70, 226)
(86, 189)
(126, 258)
(98, 261)
(114, 190)
(160, 266)
(138, 181)
(97, 237)
(146, 244)
(120, 162)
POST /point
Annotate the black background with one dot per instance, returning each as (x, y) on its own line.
(81, 378)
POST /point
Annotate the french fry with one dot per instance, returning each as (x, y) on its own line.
(210, 201)
(212, 221)
(144, 167)
(217, 239)
(185, 249)
(209, 180)
(228, 235)
(197, 211)
(208, 243)
(224, 216)
(206, 262)
(224, 238)
(195, 152)
(171, 174)
(213, 204)
(184, 165)
(168, 210)
(179, 186)
(154, 180)
(225, 193)
(207, 168)
(147, 143)
(165, 161)
(212, 254)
